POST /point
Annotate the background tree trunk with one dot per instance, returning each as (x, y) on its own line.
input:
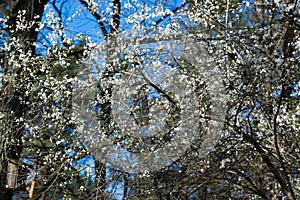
(11, 105)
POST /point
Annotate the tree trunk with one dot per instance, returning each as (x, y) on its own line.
(12, 91)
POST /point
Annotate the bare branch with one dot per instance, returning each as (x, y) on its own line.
(97, 16)
(3, 10)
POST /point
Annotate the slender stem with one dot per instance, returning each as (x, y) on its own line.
(31, 190)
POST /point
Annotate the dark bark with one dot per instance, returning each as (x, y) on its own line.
(105, 91)
(11, 94)
(33, 9)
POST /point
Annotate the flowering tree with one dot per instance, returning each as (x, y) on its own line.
(256, 45)
(192, 100)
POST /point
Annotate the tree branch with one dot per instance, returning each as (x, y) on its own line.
(97, 16)
(116, 16)
(3, 10)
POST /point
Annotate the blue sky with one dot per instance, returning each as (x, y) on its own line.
(86, 25)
